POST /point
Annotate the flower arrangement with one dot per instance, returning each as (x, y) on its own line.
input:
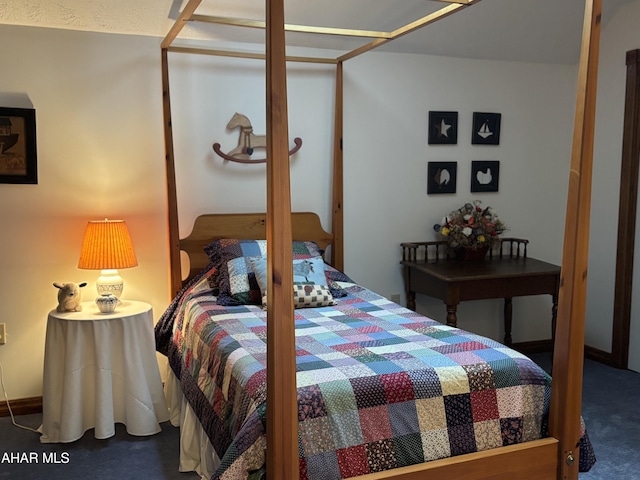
(472, 227)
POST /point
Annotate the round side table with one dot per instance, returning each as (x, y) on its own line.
(101, 369)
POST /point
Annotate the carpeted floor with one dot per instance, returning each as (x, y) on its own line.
(609, 407)
(610, 411)
(122, 457)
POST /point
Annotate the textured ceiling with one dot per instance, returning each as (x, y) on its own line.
(146, 17)
(519, 30)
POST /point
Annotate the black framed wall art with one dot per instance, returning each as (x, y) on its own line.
(486, 128)
(485, 175)
(443, 128)
(18, 163)
(442, 177)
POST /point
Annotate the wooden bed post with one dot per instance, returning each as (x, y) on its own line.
(566, 396)
(175, 271)
(282, 402)
(337, 222)
(547, 458)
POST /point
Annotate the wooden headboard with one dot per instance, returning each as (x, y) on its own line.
(246, 226)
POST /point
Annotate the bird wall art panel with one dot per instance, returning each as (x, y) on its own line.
(485, 175)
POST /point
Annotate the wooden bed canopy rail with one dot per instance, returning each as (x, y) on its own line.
(555, 457)
(380, 38)
(189, 14)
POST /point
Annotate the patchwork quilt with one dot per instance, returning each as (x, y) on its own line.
(379, 386)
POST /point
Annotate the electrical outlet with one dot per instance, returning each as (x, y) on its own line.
(395, 297)
(3, 333)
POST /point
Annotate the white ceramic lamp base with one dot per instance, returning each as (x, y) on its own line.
(110, 282)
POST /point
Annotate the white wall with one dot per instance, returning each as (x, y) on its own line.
(100, 153)
(205, 93)
(386, 201)
(387, 99)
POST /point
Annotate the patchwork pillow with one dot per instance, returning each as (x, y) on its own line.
(236, 279)
(306, 295)
(331, 275)
(259, 267)
(305, 271)
(310, 287)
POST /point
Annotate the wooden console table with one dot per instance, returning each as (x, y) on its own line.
(454, 281)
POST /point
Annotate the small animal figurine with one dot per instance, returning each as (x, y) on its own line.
(69, 296)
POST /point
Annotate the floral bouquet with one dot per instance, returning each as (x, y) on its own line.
(471, 227)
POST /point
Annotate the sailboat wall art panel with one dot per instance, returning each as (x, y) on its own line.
(486, 128)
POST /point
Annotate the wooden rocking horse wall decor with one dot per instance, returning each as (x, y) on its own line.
(248, 142)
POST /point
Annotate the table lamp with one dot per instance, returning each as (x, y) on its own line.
(107, 247)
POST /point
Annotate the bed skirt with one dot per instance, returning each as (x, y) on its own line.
(196, 452)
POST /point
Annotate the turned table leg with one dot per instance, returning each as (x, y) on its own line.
(554, 318)
(508, 317)
(411, 301)
(452, 316)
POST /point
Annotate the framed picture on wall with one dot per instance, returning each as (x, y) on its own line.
(486, 128)
(485, 175)
(18, 162)
(443, 128)
(442, 177)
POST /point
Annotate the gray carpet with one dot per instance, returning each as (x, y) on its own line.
(121, 457)
(610, 411)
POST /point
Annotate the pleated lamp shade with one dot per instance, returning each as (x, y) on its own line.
(107, 246)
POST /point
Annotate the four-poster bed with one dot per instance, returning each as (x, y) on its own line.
(555, 456)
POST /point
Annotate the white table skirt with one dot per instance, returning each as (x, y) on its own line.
(101, 369)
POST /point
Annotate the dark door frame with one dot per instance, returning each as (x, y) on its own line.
(627, 214)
